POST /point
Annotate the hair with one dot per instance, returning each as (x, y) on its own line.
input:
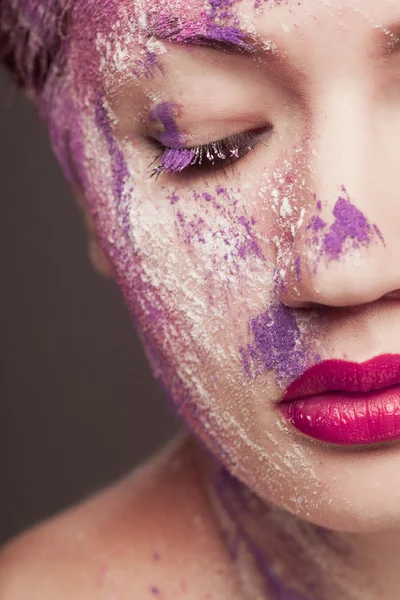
(32, 36)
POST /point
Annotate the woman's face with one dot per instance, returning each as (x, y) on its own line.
(247, 261)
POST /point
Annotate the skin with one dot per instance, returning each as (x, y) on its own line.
(200, 256)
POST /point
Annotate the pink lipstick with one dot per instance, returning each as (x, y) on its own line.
(346, 403)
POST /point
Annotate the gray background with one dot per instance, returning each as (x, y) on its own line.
(78, 407)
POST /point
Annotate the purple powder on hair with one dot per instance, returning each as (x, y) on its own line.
(221, 8)
(229, 33)
(34, 39)
(166, 112)
(350, 224)
(277, 345)
(203, 30)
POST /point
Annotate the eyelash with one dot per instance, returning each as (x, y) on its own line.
(212, 156)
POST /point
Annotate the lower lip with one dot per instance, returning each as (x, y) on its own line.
(347, 418)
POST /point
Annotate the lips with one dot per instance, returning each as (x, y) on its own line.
(347, 403)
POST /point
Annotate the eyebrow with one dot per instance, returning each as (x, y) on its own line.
(232, 40)
(228, 39)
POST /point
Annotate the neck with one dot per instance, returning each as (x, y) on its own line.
(278, 556)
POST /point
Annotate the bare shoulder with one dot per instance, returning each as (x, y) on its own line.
(148, 536)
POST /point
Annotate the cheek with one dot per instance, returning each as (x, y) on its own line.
(200, 251)
(196, 268)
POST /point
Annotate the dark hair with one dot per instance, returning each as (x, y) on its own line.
(32, 34)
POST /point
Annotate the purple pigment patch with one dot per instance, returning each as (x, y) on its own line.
(221, 190)
(379, 234)
(165, 112)
(297, 267)
(350, 229)
(203, 31)
(234, 499)
(250, 244)
(350, 224)
(277, 345)
(155, 590)
(175, 160)
(207, 197)
(173, 198)
(316, 224)
(119, 166)
(229, 34)
(237, 233)
(146, 65)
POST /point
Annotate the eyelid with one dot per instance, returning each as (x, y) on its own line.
(214, 155)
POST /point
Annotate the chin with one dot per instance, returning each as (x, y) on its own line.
(350, 489)
(344, 489)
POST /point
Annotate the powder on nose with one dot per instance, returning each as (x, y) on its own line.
(350, 223)
(316, 224)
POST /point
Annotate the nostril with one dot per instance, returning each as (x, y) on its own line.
(393, 294)
(292, 302)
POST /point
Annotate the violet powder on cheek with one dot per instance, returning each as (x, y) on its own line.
(119, 166)
(277, 345)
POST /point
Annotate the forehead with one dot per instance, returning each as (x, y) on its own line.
(255, 15)
(307, 31)
(304, 28)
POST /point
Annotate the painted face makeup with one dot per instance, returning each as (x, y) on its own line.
(243, 261)
(350, 230)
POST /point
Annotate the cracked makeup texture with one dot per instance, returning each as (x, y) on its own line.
(196, 266)
(194, 263)
(211, 266)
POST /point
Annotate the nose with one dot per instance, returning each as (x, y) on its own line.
(346, 249)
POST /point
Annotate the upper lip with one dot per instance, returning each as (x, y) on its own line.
(340, 375)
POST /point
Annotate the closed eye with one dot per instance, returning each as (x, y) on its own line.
(207, 157)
